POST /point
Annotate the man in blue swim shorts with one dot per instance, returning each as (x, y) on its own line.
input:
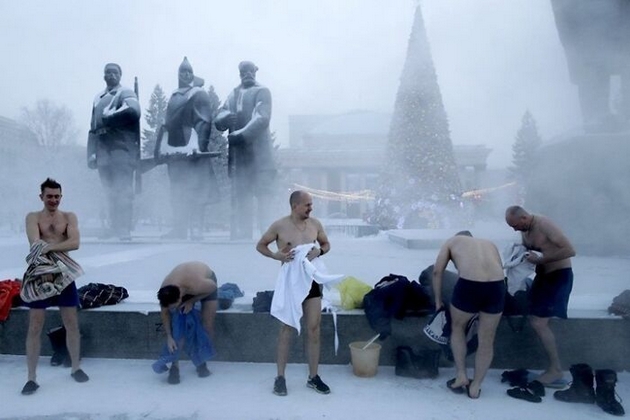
(549, 296)
(480, 289)
(58, 231)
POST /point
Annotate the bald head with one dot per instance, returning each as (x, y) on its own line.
(515, 211)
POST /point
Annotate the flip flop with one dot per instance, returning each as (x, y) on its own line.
(459, 390)
(470, 396)
(557, 384)
(521, 393)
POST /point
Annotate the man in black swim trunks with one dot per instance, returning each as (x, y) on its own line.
(299, 228)
(480, 289)
(549, 296)
(188, 283)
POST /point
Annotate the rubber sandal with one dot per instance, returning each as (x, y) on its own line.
(470, 396)
(80, 376)
(459, 390)
(29, 388)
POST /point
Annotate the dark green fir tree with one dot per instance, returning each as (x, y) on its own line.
(154, 117)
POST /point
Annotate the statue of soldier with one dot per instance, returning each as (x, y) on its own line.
(114, 149)
(193, 184)
(246, 114)
(596, 39)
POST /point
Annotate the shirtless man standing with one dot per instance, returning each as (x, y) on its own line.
(296, 229)
(60, 230)
(480, 289)
(186, 284)
(549, 295)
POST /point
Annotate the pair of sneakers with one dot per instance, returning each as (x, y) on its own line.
(280, 385)
(173, 373)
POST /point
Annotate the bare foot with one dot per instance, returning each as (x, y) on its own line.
(457, 383)
(549, 376)
(474, 391)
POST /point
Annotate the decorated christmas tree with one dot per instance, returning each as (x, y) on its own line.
(419, 184)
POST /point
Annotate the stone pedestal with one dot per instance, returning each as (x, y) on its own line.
(583, 184)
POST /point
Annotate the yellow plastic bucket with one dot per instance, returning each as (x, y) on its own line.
(364, 361)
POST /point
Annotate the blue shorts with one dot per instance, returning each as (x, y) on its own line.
(68, 297)
(479, 296)
(549, 296)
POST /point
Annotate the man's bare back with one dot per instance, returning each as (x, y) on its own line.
(476, 259)
(193, 278)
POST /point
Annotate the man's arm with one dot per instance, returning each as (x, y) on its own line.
(561, 248)
(441, 262)
(73, 239)
(165, 314)
(32, 228)
(271, 235)
(322, 240)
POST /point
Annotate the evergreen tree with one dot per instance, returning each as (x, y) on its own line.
(420, 179)
(154, 117)
(524, 151)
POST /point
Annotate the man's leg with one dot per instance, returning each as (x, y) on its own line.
(459, 319)
(208, 315)
(548, 340)
(485, 351)
(284, 341)
(36, 318)
(73, 338)
(313, 313)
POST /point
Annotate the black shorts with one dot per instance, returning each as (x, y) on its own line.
(69, 297)
(479, 296)
(214, 295)
(316, 291)
(549, 296)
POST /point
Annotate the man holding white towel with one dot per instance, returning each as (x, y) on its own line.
(288, 233)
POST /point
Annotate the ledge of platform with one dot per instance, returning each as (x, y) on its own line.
(133, 330)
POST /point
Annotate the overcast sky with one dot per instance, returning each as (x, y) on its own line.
(494, 58)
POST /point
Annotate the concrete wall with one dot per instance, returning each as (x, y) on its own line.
(602, 342)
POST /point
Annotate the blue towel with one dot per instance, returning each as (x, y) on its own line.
(188, 331)
(229, 291)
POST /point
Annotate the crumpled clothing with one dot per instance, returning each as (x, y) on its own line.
(47, 274)
(517, 268)
(8, 290)
(189, 333)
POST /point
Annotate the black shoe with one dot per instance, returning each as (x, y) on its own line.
(80, 376)
(30, 388)
(280, 386)
(57, 359)
(173, 375)
(523, 393)
(318, 385)
(203, 371)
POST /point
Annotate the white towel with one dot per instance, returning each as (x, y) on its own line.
(517, 268)
(293, 284)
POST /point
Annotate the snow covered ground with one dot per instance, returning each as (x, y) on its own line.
(128, 389)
